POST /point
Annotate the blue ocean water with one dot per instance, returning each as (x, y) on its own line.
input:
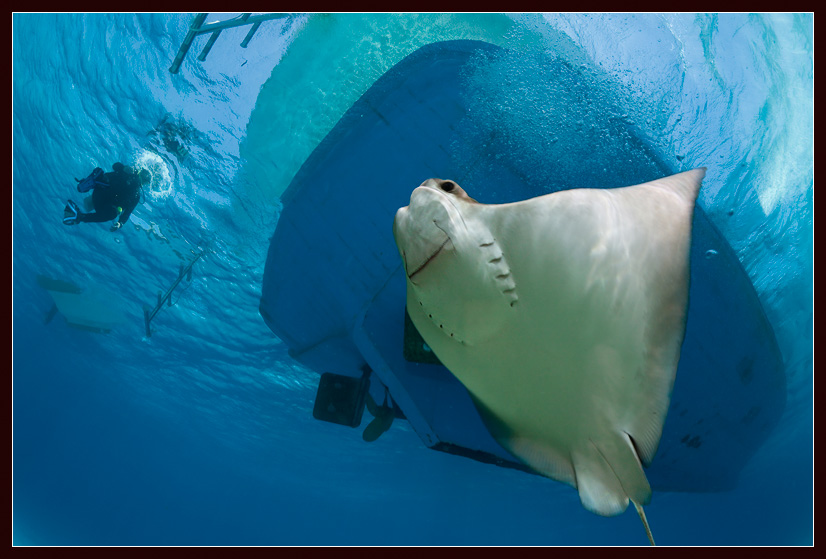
(202, 433)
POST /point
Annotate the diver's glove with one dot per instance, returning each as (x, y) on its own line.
(71, 214)
(115, 226)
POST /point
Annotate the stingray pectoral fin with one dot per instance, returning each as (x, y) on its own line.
(541, 456)
(663, 210)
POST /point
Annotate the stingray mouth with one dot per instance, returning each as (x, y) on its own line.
(427, 261)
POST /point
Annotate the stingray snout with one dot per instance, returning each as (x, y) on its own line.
(420, 229)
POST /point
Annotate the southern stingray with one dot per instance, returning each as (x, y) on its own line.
(563, 316)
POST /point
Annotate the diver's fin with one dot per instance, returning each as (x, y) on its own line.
(644, 522)
(71, 215)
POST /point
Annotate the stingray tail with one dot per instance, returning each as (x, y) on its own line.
(644, 522)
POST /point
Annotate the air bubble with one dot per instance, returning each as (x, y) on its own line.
(161, 186)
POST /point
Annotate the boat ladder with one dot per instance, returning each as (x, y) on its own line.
(167, 297)
(198, 27)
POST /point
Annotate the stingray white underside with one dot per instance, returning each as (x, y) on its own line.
(563, 315)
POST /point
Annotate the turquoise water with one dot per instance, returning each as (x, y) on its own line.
(203, 432)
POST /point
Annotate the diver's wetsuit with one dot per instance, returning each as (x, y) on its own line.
(123, 191)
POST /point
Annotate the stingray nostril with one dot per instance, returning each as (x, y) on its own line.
(447, 186)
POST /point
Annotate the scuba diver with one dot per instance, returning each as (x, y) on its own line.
(117, 192)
